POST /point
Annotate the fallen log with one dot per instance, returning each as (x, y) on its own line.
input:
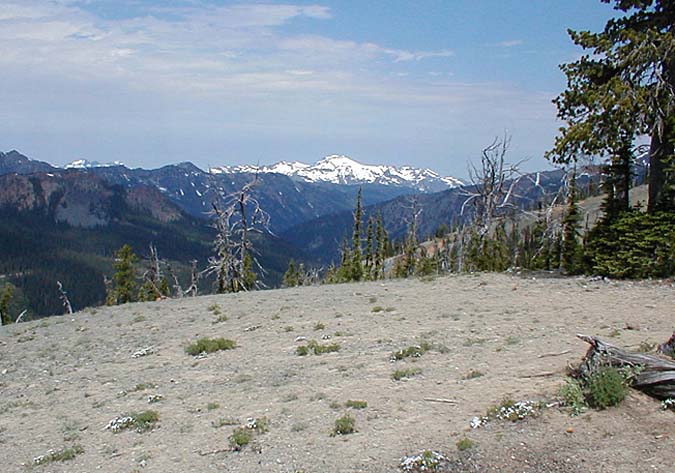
(654, 376)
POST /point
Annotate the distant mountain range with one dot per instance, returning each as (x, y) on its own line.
(339, 169)
(292, 193)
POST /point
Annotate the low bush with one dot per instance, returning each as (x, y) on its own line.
(405, 373)
(209, 345)
(344, 425)
(606, 388)
(315, 347)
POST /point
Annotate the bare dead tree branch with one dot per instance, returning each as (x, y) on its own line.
(493, 184)
(235, 256)
(64, 298)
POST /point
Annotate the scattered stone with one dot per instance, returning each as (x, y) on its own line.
(252, 328)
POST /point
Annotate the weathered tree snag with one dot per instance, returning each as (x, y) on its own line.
(655, 376)
(668, 348)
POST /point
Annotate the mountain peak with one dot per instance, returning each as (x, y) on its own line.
(341, 169)
(86, 164)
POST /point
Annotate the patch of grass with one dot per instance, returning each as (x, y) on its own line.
(139, 318)
(469, 342)
(290, 397)
(414, 351)
(473, 374)
(61, 455)
(377, 309)
(319, 326)
(141, 421)
(223, 421)
(240, 437)
(614, 333)
(646, 347)
(372, 299)
(334, 405)
(220, 319)
(316, 348)
(143, 387)
(212, 406)
(354, 404)
(390, 309)
(298, 427)
(288, 328)
(405, 373)
(214, 308)
(146, 420)
(464, 444)
(344, 425)
(511, 340)
(209, 345)
(606, 388)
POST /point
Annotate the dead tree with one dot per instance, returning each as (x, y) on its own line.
(653, 375)
(178, 290)
(152, 277)
(235, 256)
(64, 298)
(493, 184)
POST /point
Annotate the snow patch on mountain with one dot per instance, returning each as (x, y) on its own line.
(340, 169)
(86, 164)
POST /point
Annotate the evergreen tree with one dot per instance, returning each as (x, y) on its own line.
(570, 244)
(381, 248)
(357, 257)
(624, 87)
(249, 278)
(369, 263)
(125, 287)
(6, 294)
(292, 276)
(344, 272)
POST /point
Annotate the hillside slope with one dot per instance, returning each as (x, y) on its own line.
(64, 379)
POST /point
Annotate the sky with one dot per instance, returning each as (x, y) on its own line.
(427, 83)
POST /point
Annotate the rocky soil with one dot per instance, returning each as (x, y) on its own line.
(63, 379)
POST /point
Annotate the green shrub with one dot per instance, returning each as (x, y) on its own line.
(473, 374)
(573, 397)
(344, 425)
(405, 373)
(465, 444)
(61, 455)
(315, 347)
(606, 388)
(209, 345)
(356, 404)
(144, 421)
(414, 351)
(241, 436)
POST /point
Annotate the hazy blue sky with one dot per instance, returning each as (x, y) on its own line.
(426, 82)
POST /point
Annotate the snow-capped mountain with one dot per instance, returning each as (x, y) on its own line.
(340, 169)
(86, 164)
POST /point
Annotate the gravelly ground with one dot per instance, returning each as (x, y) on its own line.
(63, 379)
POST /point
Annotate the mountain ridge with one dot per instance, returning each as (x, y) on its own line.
(341, 169)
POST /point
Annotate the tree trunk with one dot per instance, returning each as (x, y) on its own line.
(655, 376)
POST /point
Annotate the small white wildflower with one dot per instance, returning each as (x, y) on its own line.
(143, 352)
(154, 398)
